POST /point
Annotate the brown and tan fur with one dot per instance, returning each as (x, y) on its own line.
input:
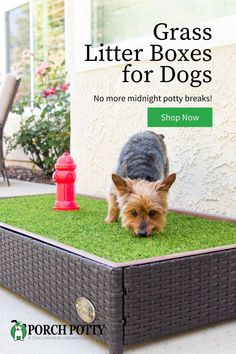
(141, 184)
(142, 205)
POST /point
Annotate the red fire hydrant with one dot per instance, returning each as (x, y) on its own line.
(65, 177)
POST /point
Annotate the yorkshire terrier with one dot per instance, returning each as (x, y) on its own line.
(140, 186)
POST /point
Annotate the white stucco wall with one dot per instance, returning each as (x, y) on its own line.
(203, 158)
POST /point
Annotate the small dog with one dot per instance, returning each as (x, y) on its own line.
(141, 184)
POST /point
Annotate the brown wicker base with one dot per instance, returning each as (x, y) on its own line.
(136, 301)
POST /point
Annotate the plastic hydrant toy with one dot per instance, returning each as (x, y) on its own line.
(65, 177)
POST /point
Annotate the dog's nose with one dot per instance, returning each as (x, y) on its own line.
(142, 233)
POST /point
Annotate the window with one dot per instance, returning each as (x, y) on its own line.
(119, 20)
(35, 27)
(18, 41)
(49, 29)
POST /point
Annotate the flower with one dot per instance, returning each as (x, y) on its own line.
(42, 69)
(50, 91)
(64, 87)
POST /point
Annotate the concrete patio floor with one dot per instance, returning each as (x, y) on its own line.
(19, 188)
(214, 339)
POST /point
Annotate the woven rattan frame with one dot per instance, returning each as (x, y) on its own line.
(54, 279)
(168, 297)
(136, 301)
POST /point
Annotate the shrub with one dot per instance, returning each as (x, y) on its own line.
(44, 132)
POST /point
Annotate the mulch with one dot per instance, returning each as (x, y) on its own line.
(27, 174)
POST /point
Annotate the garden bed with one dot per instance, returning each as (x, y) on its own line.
(28, 174)
(141, 288)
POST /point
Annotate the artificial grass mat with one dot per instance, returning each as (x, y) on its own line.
(86, 229)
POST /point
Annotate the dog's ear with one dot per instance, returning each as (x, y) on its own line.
(120, 184)
(165, 185)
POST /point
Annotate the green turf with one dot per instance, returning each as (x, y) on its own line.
(87, 230)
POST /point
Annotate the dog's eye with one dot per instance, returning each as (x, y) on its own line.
(134, 213)
(152, 213)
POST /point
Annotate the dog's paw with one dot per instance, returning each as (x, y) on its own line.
(110, 219)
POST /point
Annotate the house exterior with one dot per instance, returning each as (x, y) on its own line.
(203, 158)
(31, 31)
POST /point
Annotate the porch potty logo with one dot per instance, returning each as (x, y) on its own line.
(19, 330)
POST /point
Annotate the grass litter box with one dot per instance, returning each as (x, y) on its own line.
(139, 288)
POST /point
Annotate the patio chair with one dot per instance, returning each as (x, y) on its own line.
(7, 94)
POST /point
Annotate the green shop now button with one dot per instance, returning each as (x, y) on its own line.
(180, 117)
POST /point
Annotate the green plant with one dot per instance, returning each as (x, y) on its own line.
(44, 132)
